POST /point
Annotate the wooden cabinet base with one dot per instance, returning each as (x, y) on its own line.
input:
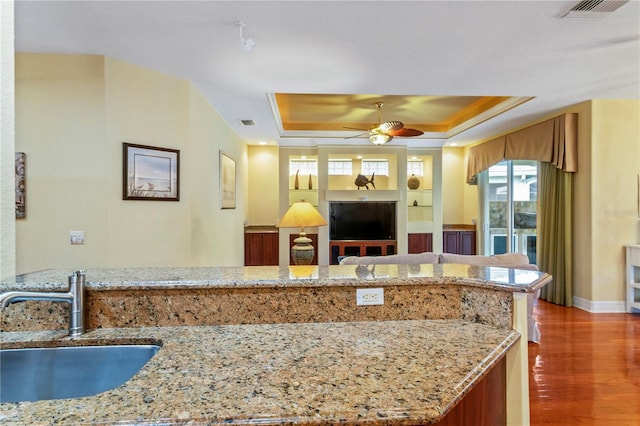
(260, 248)
(459, 242)
(485, 404)
(420, 243)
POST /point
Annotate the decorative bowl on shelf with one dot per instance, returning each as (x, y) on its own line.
(413, 182)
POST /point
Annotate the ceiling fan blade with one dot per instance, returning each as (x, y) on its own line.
(389, 126)
(404, 132)
(354, 128)
(357, 136)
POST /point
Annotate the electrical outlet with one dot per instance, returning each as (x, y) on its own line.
(369, 296)
(76, 237)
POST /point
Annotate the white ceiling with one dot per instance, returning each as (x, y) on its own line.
(464, 48)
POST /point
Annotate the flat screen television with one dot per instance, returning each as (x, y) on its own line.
(362, 220)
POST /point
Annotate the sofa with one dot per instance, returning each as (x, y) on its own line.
(508, 260)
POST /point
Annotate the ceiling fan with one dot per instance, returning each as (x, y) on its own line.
(386, 131)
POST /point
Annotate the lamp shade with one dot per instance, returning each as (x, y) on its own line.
(301, 214)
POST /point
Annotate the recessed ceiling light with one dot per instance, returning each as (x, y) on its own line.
(454, 144)
(359, 157)
(262, 143)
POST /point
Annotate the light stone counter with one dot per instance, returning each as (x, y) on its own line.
(287, 276)
(149, 297)
(389, 372)
(287, 345)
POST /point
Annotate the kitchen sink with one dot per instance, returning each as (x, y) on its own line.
(35, 374)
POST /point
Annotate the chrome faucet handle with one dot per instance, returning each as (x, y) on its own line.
(76, 312)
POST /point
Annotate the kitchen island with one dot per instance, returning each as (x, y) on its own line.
(441, 330)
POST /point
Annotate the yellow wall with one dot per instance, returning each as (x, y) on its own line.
(470, 194)
(615, 169)
(582, 182)
(263, 185)
(604, 200)
(459, 200)
(72, 115)
(217, 236)
(7, 144)
(452, 186)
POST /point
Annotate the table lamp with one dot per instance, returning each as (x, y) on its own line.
(301, 214)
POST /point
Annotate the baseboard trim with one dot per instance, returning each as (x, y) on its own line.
(605, 307)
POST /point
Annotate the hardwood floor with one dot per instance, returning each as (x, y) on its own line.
(586, 368)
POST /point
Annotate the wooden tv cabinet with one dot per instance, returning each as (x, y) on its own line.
(339, 248)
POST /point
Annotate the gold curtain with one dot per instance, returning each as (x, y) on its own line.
(554, 144)
(552, 141)
(483, 156)
(554, 251)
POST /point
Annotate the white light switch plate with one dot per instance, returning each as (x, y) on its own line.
(76, 237)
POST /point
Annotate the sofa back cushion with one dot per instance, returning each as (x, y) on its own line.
(507, 260)
(394, 259)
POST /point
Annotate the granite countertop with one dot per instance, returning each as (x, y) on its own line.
(390, 372)
(501, 279)
(459, 227)
(261, 229)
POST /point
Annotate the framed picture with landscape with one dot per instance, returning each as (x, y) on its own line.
(150, 173)
(227, 182)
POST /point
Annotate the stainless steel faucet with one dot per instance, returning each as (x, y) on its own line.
(74, 296)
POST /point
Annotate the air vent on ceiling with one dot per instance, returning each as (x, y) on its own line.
(594, 8)
(247, 123)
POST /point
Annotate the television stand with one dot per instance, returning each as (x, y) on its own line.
(338, 248)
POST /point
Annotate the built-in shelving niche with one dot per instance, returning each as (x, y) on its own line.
(303, 179)
(426, 217)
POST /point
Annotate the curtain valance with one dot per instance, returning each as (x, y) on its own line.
(553, 141)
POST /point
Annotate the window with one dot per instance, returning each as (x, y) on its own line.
(379, 167)
(305, 167)
(340, 167)
(415, 168)
(510, 203)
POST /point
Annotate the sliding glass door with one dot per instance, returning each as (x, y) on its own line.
(510, 197)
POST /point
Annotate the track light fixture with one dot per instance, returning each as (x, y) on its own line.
(246, 43)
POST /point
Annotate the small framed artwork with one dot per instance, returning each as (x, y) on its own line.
(227, 182)
(21, 185)
(150, 173)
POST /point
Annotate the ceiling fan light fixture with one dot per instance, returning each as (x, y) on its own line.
(386, 131)
(380, 139)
